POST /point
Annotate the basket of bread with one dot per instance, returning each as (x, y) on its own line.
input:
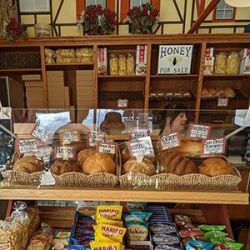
(27, 170)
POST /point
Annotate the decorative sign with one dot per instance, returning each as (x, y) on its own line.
(27, 146)
(108, 148)
(222, 102)
(170, 141)
(175, 59)
(47, 179)
(94, 138)
(214, 146)
(199, 131)
(138, 133)
(66, 137)
(42, 133)
(122, 103)
(64, 152)
(141, 147)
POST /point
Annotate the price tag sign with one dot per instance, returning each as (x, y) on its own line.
(27, 146)
(65, 152)
(122, 103)
(66, 137)
(222, 102)
(108, 148)
(141, 147)
(47, 179)
(199, 131)
(94, 138)
(214, 146)
(170, 141)
(41, 133)
(44, 153)
(138, 133)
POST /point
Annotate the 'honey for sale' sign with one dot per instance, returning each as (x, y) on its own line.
(175, 59)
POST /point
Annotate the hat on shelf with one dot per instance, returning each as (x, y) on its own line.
(238, 3)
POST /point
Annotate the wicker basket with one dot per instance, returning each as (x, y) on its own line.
(17, 177)
(77, 179)
(184, 182)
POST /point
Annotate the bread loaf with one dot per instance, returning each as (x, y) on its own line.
(215, 166)
(145, 167)
(84, 154)
(98, 163)
(60, 166)
(175, 163)
(112, 121)
(190, 148)
(29, 164)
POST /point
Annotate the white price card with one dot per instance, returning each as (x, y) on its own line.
(141, 147)
(214, 146)
(67, 137)
(199, 131)
(108, 148)
(139, 132)
(222, 102)
(64, 152)
(94, 138)
(47, 179)
(27, 146)
(122, 103)
(42, 133)
(170, 141)
(44, 152)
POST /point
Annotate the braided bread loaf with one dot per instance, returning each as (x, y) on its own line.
(175, 163)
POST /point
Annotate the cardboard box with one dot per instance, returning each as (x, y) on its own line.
(175, 59)
(209, 65)
(53, 75)
(245, 61)
(85, 89)
(36, 77)
(102, 61)
(56, 92)
(141, 60)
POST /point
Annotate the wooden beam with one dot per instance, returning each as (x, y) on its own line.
(200, 6)
(203, 16)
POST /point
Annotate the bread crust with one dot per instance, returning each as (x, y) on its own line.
(29, 164)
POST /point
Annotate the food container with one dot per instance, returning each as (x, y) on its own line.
(113, 65)
(220, 63)
(130, 62)
(43, 30)
(122, 65)
(233, 63)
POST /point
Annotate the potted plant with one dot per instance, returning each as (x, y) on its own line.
(98, 21)
(142, 19)
(14, 30)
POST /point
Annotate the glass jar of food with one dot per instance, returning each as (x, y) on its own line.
(220, 63)
(122, 65)
(113, 65)
(130, 64)
(233, 63)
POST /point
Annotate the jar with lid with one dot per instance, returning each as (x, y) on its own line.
(113, 65)
(233, 63)
(130, 61)
(220, 63)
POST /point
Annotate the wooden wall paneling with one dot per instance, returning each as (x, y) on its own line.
(44, 77)
(148, 73)
(95, 76)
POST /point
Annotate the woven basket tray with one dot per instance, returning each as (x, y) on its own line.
(77, 179)
(184, 182)
(17, 177)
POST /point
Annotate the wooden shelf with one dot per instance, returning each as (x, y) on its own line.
(108, 77)
(229, 77)
(21, 70)
(173, 76)
(55, 66)
(72, 194)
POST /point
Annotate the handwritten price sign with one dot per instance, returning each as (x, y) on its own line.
(27, 146)
(107, 148)
(214, 146)
(94, 138)
(65, 152)
(67, 137)
(199, 131)
(170, 141)
(138, 133)
(41, 133)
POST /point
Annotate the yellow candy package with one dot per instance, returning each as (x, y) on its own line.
(112, 232)
(112, 212)
(98, 245)
(110, 222)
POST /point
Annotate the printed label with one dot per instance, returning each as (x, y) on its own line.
(222, 102)
(170, 141)
(107, 148)
(27, 146)
(199, 131)
(64, 152)
(41, 133)
(94, 138)
(138, 133)
(67, 137)
(214, 146)
(44, 153)
(122, 103)
(141, 147)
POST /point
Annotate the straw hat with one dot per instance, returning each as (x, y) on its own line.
(238, 3)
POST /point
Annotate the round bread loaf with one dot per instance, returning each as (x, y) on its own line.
(98, 163)
(190, 148)
(113, 117)
(84, 154)
(215, 166)
(29, 164)
(60, 167)
(175, 163)
(145, 166)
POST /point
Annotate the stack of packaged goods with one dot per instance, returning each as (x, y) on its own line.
(204, 236)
